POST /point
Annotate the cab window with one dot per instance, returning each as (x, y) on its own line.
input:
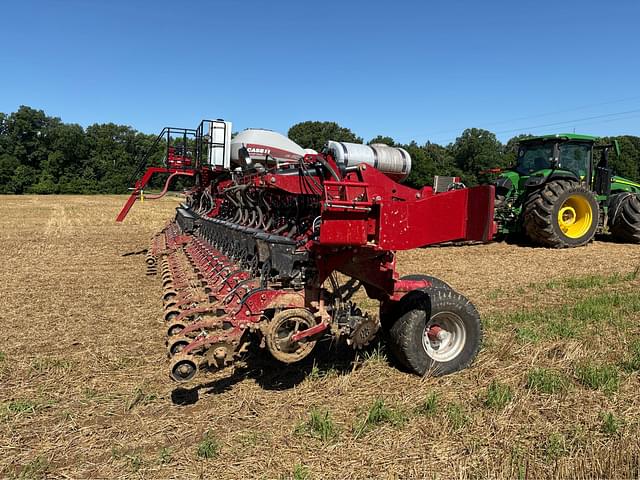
(575, 158)
(534, 157)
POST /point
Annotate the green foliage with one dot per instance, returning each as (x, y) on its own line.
(319, 373)
(632, 363)
(477, 150)
(300, 472)
(628, 164)
(457, 417)
(599, 377)
(498, 395)
(543, 380)
(555, 446)
(527, 335)
(576, 320)
(610, 424)
(165, 456)
(382, 139)
(316, 134)
(379, 413)
(51, 365)
(42, 155)
(428, 161)
(375, 353)
(430, 405)
(21, 407)
(208, 447)
(319, 425)
(37, 468)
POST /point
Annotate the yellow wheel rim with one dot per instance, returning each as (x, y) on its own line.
(575, 216)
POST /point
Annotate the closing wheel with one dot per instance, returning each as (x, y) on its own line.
(280, 330)
(171, 315)
(438, 332)
(169, 296)
(176, 345)
(561, 214)
(183, 369)
(175, 328)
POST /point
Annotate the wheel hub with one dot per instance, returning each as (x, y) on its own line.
(444, 336)
(575, 216)
(567, 216)
(281, 329)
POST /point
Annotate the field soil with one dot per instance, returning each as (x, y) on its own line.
(85, 391)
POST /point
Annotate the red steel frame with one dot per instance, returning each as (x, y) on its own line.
(140, 184)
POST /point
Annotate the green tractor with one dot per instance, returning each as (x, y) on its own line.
(559, 196)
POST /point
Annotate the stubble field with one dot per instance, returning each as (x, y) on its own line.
(84, 389)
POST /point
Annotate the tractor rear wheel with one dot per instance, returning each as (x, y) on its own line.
(561, 214)
(624, 217)
(438, 332)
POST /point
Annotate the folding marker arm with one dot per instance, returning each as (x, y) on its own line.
(140, 184)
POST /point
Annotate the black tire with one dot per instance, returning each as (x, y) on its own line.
(389, 315)
(438, 306)
(624, 217)
(543, 206)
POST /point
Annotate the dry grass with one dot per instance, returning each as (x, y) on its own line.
(85, 391)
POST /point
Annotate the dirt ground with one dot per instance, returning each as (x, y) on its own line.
(85, 391)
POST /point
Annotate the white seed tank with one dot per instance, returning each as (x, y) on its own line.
(261, 144)
(394, 162)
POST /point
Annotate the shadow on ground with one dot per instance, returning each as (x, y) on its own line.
(273, 375)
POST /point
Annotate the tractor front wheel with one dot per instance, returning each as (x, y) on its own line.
(561, 214)
(624, 217)
(438, 332)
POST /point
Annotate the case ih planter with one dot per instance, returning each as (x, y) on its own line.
(253, 255)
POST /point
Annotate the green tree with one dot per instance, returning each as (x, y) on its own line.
(511, 148)
(8, 166)
(23, 177)
(316, 134)
(428, 161)
(628, 163)
(477, 150)
(382, 139)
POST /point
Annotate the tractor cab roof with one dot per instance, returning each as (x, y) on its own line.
(560, 136)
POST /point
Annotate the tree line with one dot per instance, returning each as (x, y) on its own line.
(41, 154)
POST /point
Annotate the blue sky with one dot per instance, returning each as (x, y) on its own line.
(422, 70)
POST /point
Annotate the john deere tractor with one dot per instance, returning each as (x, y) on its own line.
(559, 196)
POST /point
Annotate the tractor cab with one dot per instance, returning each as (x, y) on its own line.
(567, 155)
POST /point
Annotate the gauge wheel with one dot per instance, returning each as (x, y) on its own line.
(439, 332)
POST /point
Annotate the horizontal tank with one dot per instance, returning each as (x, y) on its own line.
(394, 162)
(262, 143)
